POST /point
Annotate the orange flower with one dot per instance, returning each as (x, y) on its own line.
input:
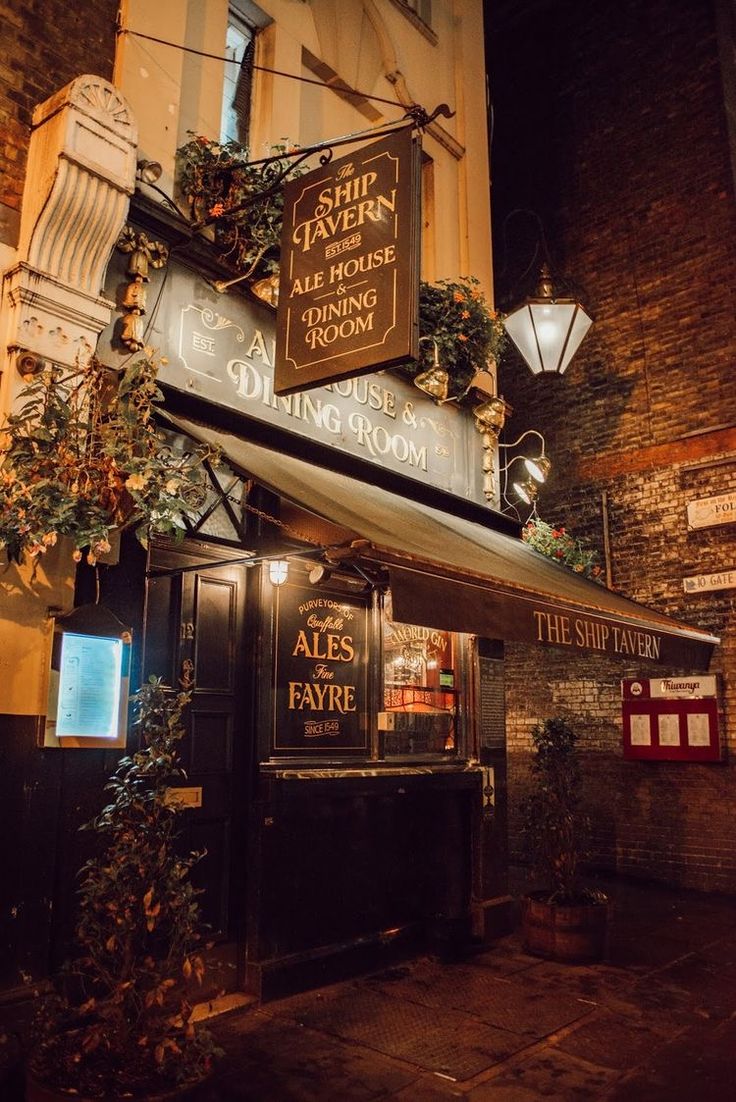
(216, 210)
(459, 296)
(461, 337)
(465, 314)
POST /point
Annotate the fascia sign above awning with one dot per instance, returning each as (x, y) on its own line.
(450, 573)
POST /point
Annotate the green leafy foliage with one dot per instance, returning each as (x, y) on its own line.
(82, 455)
(557, 544)
(138, 933)
(555, 824)
(468, 332)
(217, 180)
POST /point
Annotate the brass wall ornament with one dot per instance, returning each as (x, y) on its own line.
(490, 417)
(143, 255)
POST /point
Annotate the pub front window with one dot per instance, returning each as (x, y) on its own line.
(421, 690)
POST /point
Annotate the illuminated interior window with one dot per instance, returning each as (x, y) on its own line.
(420, 689)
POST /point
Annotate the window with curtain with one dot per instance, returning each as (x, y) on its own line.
(238, 83)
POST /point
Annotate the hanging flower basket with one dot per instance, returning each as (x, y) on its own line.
(557, 544)
(82, 456)
(469, 334)
(217, 179)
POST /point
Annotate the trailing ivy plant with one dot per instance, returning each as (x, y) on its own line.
(468, 332)
(129, 1031)
(244, 201)
(82, 455)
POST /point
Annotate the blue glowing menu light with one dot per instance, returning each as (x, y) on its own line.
(90, 679)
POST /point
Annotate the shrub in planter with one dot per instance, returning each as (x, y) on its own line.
(121, 1025)
(565, 921)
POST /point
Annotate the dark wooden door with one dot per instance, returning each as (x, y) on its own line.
(194, 633)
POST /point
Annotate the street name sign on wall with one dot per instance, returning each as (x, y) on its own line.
(703, 583)
(349, 274)
(706, 512)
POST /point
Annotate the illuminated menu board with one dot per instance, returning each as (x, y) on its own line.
(90, 678)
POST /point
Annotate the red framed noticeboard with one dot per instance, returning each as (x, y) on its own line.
(671, 719)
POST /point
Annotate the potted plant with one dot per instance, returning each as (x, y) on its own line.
(121, 1024)
(82, 455)
(565, 921)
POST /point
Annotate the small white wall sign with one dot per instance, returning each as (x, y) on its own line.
(701, 583)
(705, 512)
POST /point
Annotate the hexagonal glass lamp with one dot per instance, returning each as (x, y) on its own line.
(547, 330)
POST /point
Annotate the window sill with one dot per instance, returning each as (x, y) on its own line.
(343, 772)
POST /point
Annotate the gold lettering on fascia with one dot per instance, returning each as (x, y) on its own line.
(562, 630)
(253, 386)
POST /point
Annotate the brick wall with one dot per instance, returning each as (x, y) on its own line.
(613, 130)
(45, 44)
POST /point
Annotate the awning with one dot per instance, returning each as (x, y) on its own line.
(451, 573)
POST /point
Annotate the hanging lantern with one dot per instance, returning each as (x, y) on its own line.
(547, 330)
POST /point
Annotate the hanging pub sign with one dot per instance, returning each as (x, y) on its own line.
(320, 672)
(349, 273)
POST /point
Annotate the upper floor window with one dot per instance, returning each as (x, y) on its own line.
(423, 9)
(239, 50)
(419, 12)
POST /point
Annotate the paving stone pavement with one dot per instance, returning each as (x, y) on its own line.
(656, 1020)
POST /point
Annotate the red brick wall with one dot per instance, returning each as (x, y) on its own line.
(610, 125)
(45, 44)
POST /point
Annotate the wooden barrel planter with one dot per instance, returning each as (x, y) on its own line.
(574, 933)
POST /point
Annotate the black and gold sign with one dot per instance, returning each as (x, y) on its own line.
(348, 297)
(320, 672)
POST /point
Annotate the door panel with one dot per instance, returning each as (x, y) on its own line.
(214, 617)
(194, 636)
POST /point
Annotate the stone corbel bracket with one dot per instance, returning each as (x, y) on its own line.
(81, 174)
